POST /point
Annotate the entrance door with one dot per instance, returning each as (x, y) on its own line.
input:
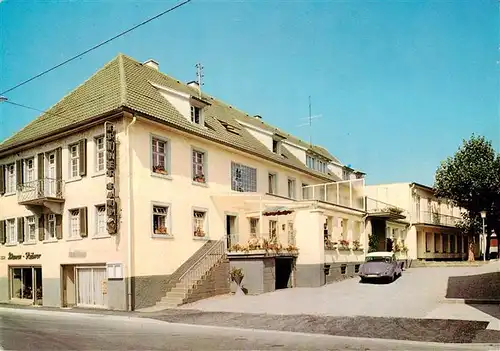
(91, 287)
(51, 175)
(231, 238)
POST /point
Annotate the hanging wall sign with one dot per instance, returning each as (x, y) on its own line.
(110, 178)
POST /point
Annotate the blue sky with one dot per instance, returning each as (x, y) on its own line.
(399, 84)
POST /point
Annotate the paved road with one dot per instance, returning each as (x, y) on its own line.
(45, 330)
(415, 295)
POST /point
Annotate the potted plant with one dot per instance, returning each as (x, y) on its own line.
(159, 169)
(199, 178)
(356, 245)
(237, 277)
(330, 245)
(199, 232)
(161, 230)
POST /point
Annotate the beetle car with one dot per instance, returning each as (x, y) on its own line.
(380, 265)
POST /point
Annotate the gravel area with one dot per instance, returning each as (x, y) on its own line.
(479, 286)
(429, 330)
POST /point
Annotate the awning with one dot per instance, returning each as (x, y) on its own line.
(277, 211)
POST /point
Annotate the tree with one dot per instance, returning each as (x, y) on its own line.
(471, 180)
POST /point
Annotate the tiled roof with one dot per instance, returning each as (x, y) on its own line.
(125, 82)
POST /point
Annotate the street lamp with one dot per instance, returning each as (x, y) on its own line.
(483, 216)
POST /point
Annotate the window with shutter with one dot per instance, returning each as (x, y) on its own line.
(74, 224)
(83, 222)
(2, 180)
(83, 157)
(58, 224)
(20, 230)
(2, 232)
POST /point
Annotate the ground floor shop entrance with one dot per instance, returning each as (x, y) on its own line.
(26, 284)
(85, 286)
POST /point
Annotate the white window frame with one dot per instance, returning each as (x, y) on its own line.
(74, 224)
(10, 178)
(276, 234)
(27, 225)
(11, 231)
(100, 221)
(74, 161)
(168, 219)
(100, 153)
(196, 219)
(253, 222)
(193, 110)
(310, 161)
(29, 173)
(195, 164)
(156, 155)
(272, 180)
(51, 219)
(293, 183)
(243, 178)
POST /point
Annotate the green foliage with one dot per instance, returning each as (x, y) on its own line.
(471, 180)
(372, 243)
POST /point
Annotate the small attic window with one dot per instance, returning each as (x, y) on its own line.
(196, 116)
(276, 146)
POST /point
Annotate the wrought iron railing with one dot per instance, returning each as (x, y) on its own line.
(40, 189)
(436, 218)
(203, 265)
(347, 193)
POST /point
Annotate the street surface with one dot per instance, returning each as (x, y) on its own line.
(31, 329)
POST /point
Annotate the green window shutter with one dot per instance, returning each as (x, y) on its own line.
(2, 180)
(20, 229)
(59, 232)
(83, 222)
(19, 173)
(83, 157)
(2, 232)
(41, 165)
(59, 170)
(41, 228)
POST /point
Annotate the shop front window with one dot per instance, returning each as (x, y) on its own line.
(26, 284)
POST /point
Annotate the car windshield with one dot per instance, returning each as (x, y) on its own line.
(378, 259)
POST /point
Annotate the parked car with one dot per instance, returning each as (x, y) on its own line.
(380, 265)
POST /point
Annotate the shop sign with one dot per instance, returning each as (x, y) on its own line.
(111, 215)
(26, 255)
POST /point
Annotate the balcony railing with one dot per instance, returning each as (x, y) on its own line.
(41, 189)
(376, 206)
(436, 219)
(347, 193)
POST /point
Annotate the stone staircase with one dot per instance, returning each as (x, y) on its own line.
(194, 279)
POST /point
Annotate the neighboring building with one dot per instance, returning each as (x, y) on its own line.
(132, 189)
(426, 225)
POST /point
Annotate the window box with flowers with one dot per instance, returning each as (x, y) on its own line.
(344, 245)
(356, 246)
(199, 178)
(199, 224)
(330, 245)
(160, 170)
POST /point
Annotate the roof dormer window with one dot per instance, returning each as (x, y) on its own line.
(196, 115)
(276, 146)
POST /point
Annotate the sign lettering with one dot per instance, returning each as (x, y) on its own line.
(27, 256)
(111, 212)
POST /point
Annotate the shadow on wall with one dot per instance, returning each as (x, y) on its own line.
(479, 286)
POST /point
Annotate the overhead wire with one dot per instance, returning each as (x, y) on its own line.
(96, 46)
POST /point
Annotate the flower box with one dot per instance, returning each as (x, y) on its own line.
(159, 170)
(199, 178)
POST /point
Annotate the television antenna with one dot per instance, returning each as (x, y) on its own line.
(309, 121)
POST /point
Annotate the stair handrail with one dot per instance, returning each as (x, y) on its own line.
(209, 251)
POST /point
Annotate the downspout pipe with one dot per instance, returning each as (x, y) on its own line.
(129, 217)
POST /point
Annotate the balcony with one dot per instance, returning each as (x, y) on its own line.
(40, 192)
(382, 209)
(435, 218)
(347, 193)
